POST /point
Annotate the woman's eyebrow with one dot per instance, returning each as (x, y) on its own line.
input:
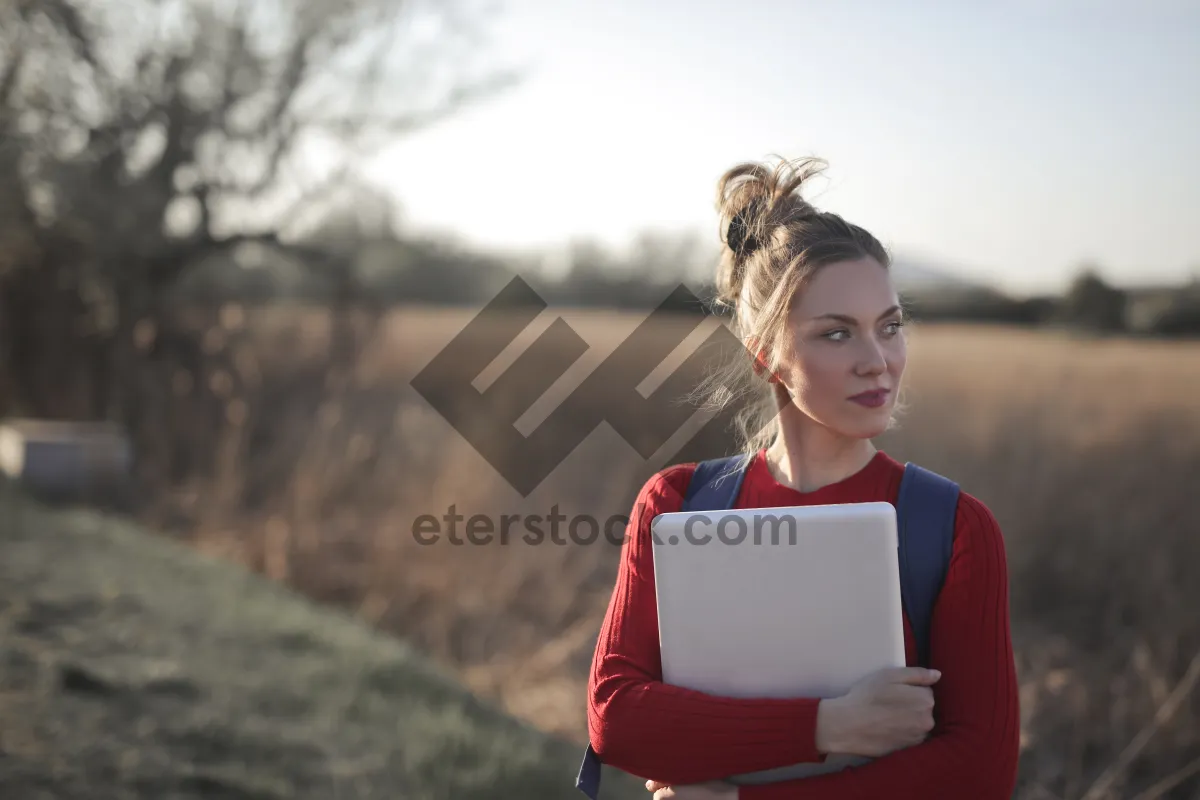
(851, 320)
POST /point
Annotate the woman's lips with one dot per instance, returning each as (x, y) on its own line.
(872, 399)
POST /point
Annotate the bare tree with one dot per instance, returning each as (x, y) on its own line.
(140, 135)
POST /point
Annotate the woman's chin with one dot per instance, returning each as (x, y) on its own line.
(866, 426)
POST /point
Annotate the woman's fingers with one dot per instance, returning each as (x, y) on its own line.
(658, 788)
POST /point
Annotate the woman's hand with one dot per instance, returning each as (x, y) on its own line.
(696, 791)
(888, 710)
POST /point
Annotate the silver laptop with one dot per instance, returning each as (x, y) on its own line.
(779, 602)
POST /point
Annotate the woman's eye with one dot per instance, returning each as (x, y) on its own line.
(841, 334)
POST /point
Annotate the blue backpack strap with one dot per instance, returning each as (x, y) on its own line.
(714, 486)
(588, 781)
(926, 510)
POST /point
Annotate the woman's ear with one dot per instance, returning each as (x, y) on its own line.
(761, 364)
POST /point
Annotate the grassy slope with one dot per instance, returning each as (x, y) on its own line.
(131, 667)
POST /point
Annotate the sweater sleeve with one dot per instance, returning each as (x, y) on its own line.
(973, 749)
(668, 733)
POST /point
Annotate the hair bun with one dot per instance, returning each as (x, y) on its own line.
(738, 235)
(752, 200)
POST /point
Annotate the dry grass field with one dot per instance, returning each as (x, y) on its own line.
(1087, 451)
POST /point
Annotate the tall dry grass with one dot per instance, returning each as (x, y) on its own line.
(1088, 452)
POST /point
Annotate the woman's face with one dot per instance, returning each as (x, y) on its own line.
(844, 353)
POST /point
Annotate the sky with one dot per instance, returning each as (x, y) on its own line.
(1008, 142)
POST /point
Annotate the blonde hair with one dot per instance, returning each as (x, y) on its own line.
(774, 242)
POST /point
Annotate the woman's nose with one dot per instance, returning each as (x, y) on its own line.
(872, 358)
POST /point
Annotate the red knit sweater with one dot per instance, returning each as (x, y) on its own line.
(654, 730)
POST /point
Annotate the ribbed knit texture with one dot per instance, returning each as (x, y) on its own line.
(668, 733)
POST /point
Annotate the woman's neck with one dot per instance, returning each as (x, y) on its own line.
(807, 456)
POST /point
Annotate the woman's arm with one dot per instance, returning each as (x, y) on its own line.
(650, 729)
(972, 751)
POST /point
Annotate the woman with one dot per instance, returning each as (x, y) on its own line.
(813, 298)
